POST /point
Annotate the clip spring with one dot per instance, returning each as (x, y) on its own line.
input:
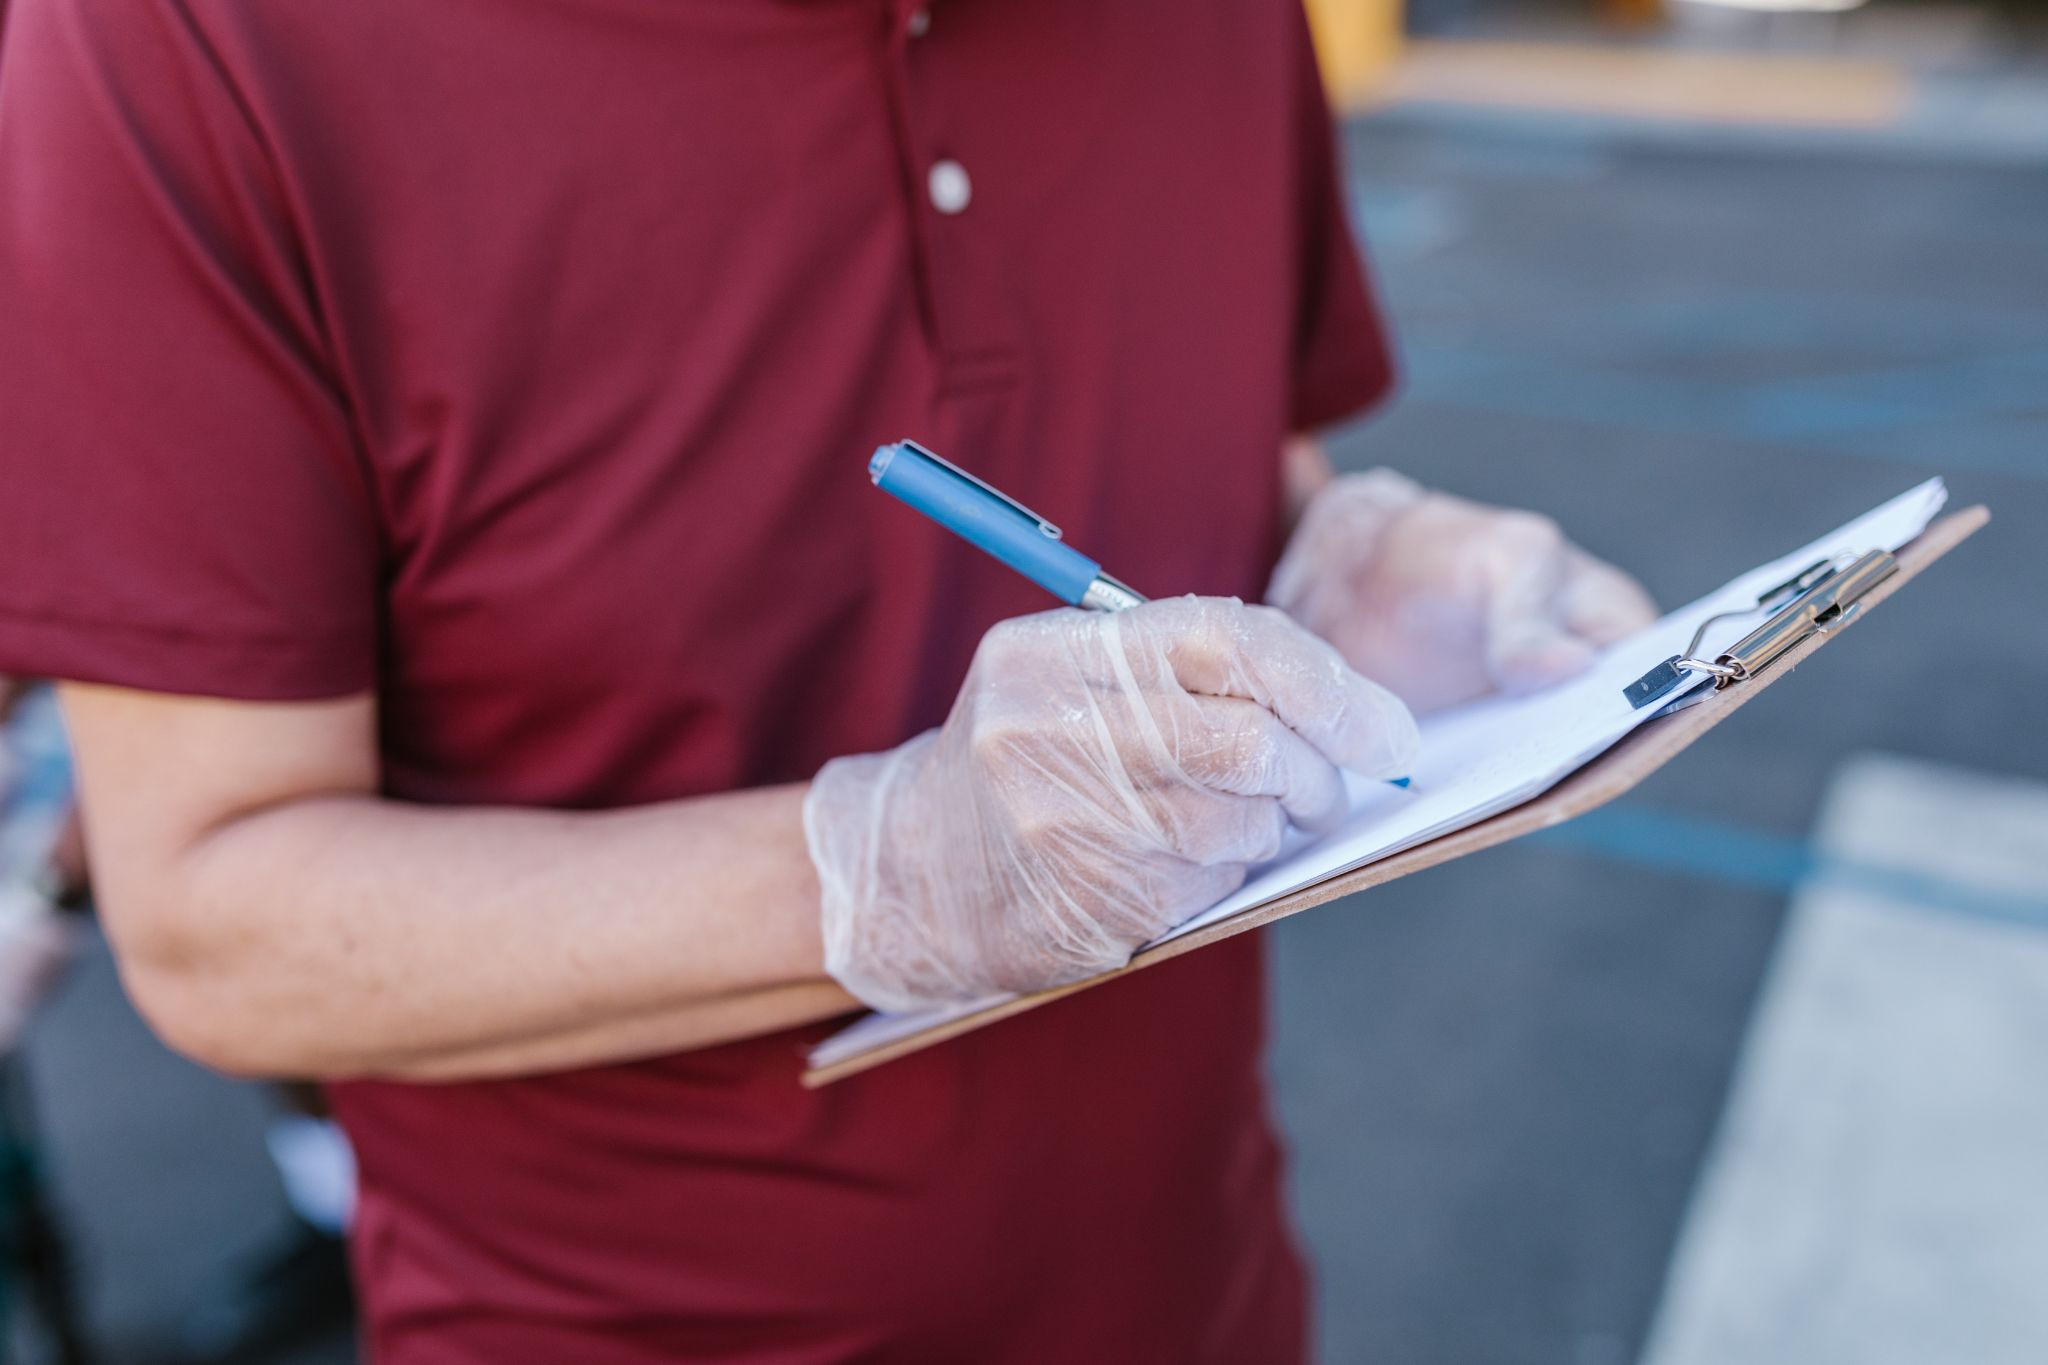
(1814, 601)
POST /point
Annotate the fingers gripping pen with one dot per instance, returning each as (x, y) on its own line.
(999, 524)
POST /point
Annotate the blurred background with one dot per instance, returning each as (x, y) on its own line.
(1751, 1066)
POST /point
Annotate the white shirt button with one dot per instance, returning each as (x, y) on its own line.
(949, 187)
(919, 23)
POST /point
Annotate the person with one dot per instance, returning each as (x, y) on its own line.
(497, 692)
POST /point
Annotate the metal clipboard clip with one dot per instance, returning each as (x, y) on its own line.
(1813, 601)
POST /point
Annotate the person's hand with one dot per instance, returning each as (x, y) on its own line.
(1444, 600)
(1101, 778)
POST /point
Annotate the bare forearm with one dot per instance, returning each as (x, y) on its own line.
(601, 1042)
(355, 935)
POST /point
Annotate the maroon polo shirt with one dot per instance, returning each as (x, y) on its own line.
(519, 360)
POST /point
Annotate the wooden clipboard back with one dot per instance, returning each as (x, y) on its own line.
(1634, 758)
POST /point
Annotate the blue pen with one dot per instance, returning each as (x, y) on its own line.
(998, 523)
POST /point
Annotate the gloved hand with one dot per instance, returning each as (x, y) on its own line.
(1101, 778)
(1444, 600)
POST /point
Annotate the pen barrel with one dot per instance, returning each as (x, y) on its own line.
(968, 511)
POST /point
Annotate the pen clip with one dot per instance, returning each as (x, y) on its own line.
(1045, 528)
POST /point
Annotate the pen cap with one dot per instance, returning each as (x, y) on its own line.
(977, 513)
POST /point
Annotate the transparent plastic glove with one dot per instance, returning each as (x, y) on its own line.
(1101, 778)
(1445, 600)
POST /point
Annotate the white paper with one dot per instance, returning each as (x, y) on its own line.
(1481, 759)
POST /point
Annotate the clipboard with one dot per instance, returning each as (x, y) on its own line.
(1805, 616)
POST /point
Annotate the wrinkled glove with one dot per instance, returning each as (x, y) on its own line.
(1101, 778)
(1444, 600)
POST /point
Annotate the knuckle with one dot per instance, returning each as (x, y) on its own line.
(1276, 633)
(1246, 834)
(1267, 620)
(1268, 829)
(1213, 827)
(1246, 756)
(1162, 616)
(1204, 635)
(1037, 833)
(1003, 641)
(1260, 611)
(999, 741)
(1530, 530)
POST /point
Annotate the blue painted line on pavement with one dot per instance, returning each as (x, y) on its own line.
(1736, 856)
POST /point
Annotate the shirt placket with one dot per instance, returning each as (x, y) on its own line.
(966, 320)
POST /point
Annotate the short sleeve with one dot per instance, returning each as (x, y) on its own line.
(1342, 360)
(183, 507)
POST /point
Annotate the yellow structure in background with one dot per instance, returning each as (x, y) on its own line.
(1367, 64)
(1629, 14)
(1356, 43)
(1645, 83)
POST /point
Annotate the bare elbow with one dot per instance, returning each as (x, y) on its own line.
(191, 1030)
(189, 807)
(203, 1021)
(197, 998)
